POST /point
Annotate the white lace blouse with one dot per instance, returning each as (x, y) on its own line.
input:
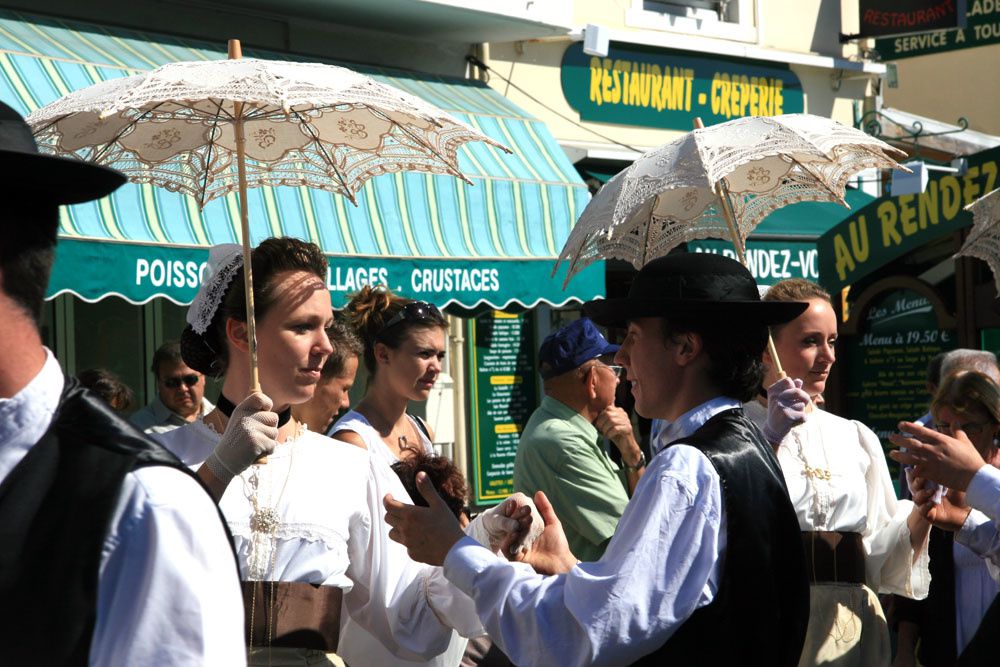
(328, 497)
(838, 479)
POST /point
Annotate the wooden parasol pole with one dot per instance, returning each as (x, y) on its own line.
(235, 53)
(734, 234)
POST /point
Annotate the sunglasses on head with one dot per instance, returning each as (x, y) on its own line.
(175, 382)
(414, 311)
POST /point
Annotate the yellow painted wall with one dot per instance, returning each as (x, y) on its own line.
(944, 86)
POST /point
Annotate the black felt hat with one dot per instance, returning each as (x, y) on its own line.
(55, 180)
(702, 285)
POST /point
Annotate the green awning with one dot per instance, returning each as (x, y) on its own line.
(430, 236)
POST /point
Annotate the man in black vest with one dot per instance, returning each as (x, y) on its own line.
(112, 553)
(706, 566)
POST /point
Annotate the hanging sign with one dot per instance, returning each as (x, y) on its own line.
(889, 227)
(879, 18)
(503, 394)
(981, 27)
(668, 89)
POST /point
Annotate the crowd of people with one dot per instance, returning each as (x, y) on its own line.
(285, 526)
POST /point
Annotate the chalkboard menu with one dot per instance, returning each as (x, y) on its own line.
(503, 392)
(887, 362)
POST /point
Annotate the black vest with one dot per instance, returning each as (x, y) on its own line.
(760, 612)
(55, 510)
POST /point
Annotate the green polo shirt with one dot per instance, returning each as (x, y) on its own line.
(560, 453)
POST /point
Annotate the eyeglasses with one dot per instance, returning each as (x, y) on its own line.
(414, 311)
(619, 371)
(175, 382)
(970, 428)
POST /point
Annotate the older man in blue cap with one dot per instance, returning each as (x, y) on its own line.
(561, 450)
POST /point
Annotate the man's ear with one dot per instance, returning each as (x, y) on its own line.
(590, 381)
(236, 333)
(688, 348)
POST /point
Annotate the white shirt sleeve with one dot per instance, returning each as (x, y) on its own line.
(169, 590)
(408, 606)
(979, 532)
(661, 565)
(890, 566)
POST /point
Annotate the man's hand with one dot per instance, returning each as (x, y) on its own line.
(428, 533)
(613, 423)
(252, 432)
(549, 554)
(786, 409)
(949, 461)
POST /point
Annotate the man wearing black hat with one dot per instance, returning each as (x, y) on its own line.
(561, 451)
(112, 553)
(706, 567)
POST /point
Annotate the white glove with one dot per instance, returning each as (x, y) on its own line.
(786, 408)
(252, 432)
(493, 525)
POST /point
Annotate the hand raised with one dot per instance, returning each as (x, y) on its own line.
(614, 424)
(252, 432)
(949, 461)
(786, 409)
(428, 533)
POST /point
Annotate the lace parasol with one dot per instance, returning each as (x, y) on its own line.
(983, 241)
(210, 128)
(756, 165)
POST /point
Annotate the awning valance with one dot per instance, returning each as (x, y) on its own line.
(422, 230)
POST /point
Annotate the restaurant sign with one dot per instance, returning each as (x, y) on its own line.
(878, 18)
(889, 227)
(668, 89)
(981, 27)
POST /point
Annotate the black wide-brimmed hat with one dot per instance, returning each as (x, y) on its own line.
(60, 180)
(701, 285)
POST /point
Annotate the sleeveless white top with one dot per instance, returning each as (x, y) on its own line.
(355, 421)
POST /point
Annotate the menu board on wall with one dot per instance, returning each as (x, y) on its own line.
(503, 392)
(887, 362)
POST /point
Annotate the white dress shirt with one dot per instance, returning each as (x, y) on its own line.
(167, 590)
(661, 565)
(979, 532)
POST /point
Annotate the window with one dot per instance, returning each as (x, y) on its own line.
(726, 19)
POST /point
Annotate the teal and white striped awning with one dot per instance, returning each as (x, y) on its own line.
(430, 237)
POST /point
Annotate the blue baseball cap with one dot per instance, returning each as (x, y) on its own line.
(572, 346)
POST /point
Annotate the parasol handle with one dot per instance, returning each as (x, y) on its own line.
(734, 235)
(235, 53)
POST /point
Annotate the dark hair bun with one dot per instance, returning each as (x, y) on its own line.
(198, 353)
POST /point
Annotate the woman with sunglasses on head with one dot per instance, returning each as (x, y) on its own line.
(858, 537)
(404, 345)
(307, 523)
(961, 587)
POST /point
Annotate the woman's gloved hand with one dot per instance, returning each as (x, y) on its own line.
(786, 408)
(252, 432)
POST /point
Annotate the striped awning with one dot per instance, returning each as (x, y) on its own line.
(430, 237)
